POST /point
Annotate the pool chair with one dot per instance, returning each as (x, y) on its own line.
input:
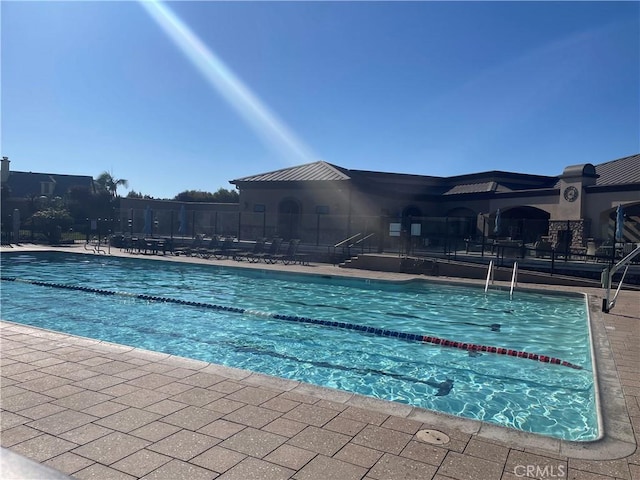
(226, 249)
(295, 256)
(267, 256)
(128, 244)
(190, 250)
(168, 247)
(257, 249)
(290, 255)
(206, 251)
(154, 245)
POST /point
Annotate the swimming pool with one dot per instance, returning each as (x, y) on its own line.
(302, 327)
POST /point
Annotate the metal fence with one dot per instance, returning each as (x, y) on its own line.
(409, 235)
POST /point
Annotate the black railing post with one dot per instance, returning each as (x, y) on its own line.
(484, 224)
(446, 235)
(566, 241)
(613, 240)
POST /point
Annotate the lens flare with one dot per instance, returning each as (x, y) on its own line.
(229, 86)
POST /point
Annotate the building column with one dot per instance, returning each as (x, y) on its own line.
(579, 230)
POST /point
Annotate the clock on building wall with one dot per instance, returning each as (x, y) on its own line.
(571, 194)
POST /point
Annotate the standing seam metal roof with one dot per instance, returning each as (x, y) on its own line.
(622, 171)
(619, 172)
(316, 171)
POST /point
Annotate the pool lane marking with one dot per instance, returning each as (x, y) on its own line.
(443, 342)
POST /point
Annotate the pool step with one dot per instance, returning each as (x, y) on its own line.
(392, 263)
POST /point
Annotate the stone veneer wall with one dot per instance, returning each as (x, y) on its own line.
(580, 231)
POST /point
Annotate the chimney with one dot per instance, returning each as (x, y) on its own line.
(5, 169)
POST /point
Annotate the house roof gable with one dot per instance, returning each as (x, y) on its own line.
(309, 172)
(25, 184)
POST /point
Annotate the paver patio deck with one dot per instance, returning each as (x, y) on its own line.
(96, 410)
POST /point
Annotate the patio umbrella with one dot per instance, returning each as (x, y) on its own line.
(496, 228)
(182, 228)
(619, 224)
(148, 221)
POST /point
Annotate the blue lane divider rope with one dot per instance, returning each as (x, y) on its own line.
(312, 321)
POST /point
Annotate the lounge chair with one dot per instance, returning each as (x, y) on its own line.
(168, 246)
(290, 255)
(605, 251)
(258, 248)
(129, 244)
(267, 256)
(190, 250)
(206, 251)
(227, 249)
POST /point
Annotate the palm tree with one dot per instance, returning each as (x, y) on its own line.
(108, 183)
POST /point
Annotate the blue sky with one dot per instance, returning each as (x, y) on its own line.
(232, 89)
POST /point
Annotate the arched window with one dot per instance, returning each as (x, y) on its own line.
(525, 223)
(289, 212)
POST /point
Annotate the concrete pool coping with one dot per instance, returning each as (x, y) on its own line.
(618, 442)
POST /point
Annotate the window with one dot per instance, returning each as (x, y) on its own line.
(46, 188)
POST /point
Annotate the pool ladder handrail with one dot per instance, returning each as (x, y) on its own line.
(514, 279)
(607, 276)
(489, 276)
(96, 244)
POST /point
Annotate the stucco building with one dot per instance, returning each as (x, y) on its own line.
(324, 203)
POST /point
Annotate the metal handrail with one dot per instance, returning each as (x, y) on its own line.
(342, 242)
(95, 244)
(489, 276)
(362, 240)
(514, 278)
(607, 276)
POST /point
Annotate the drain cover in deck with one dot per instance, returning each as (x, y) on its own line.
(432, 436)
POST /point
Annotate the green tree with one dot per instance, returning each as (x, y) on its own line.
(134, 194)
(194, 196)
(221, 196)
(82, 203)
(107, 182)
(51, 222)
(226, 196)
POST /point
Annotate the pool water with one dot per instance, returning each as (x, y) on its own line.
(520, 393)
